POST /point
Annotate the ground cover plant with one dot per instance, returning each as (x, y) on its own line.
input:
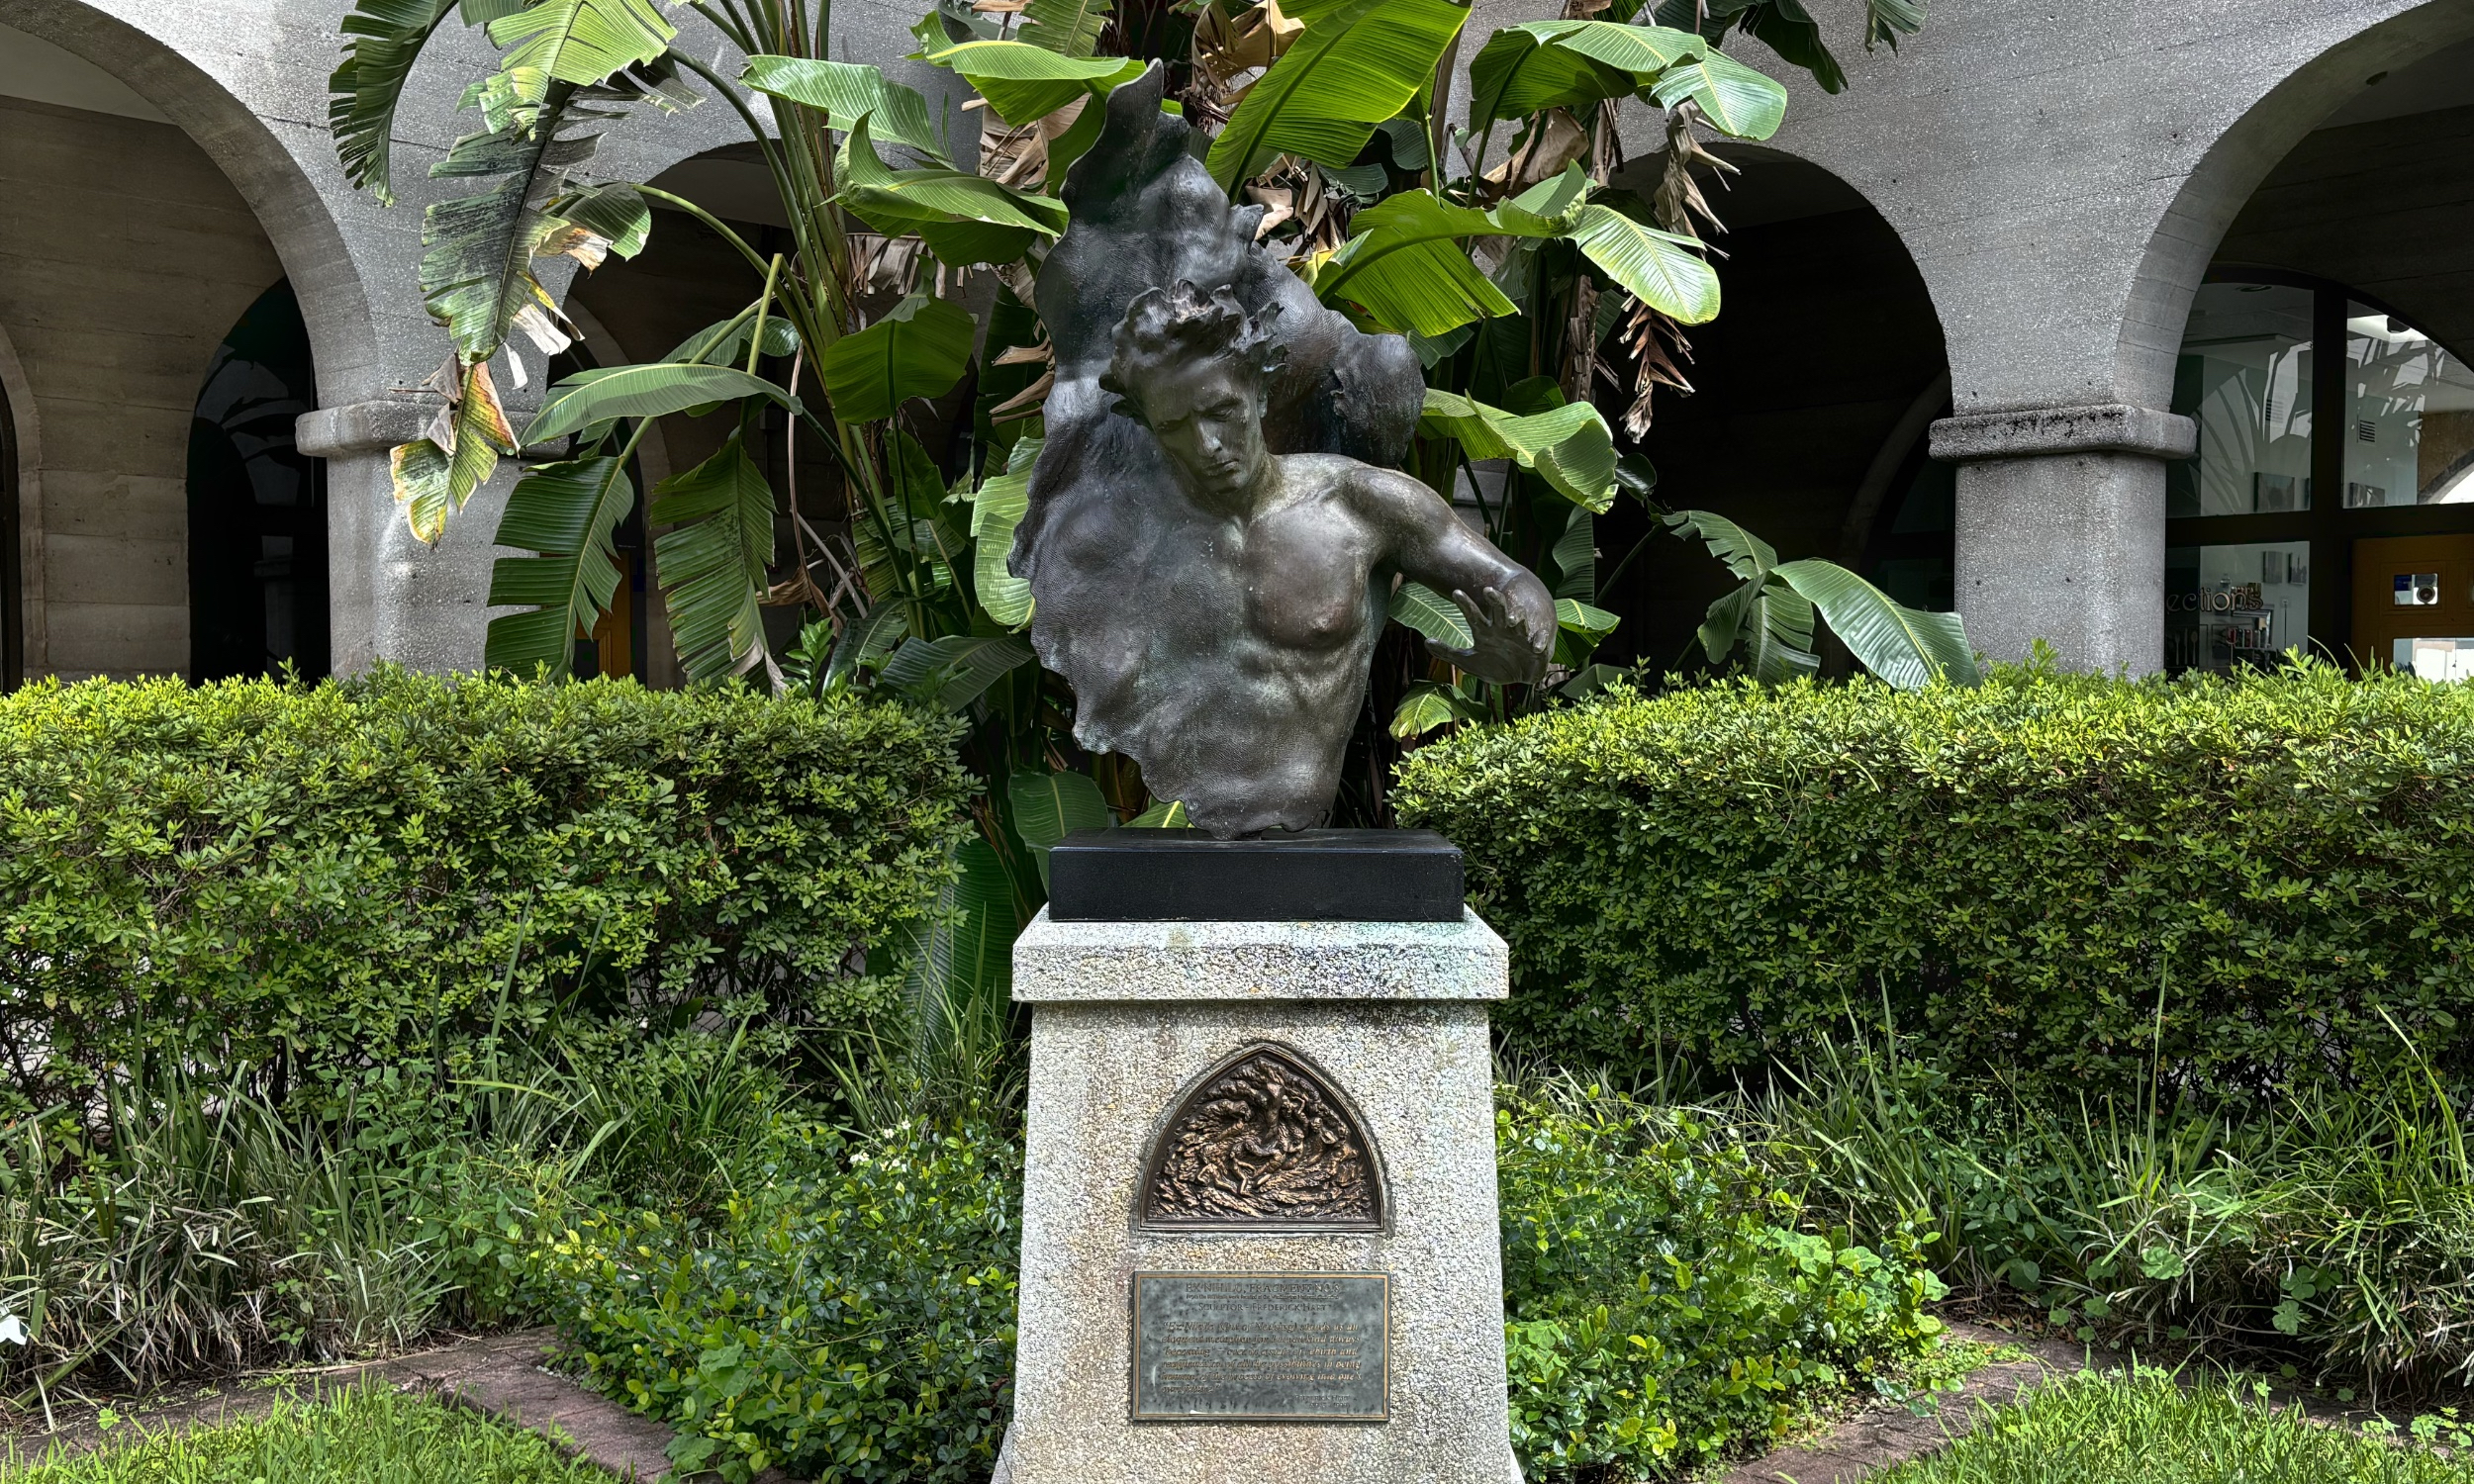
(850, 1314)
(354, 1436)
(2330, 1235)
(2246, 887)
(1667, 1304)
(2150, 1427)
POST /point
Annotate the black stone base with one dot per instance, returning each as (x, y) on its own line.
(1315, 876)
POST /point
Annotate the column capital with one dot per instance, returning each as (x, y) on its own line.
(2037, 433)
(372, 426)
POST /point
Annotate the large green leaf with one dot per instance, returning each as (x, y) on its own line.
(1404, 261)
(1048, 806)
(724, 341)
(1748, 556)
(1570, 447)
(1734, 99)
(1069, 28)
(1781, 635)
(1023, 82)
(580, 42)
(848, 92)
(382, 40)
(1431, 613)
(477, 275)
(965, 949)
(866, 641)
(714, 561)
(1903, 646)
(653, 389)
(1528, 68)
(617, 213)
(435, 475)
(953, 671)
(964, 217)
(1773, 620)
(996, 511)
(918, 349)
(1160, 816)
(1575, 558)
(1663, 270)
(566, 512)
(1358, 63)
(1427, 706)
(1575, 617)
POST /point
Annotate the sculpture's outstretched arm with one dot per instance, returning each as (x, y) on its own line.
(1512, 615)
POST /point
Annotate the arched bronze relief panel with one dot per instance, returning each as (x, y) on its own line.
(1264, 1142)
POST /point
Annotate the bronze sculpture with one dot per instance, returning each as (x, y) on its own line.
(1211, 541)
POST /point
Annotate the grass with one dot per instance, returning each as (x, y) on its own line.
(359, 1436)
(2147, 1429)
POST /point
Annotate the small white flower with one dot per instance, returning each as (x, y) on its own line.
(12, 1329)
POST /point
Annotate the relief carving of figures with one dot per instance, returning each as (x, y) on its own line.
(1263, 1140)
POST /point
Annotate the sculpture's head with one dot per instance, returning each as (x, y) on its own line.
(1192, 368)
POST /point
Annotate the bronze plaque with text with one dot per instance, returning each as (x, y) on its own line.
(1262, 1346)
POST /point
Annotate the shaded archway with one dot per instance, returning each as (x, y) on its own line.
(257, 506)
(1813, 390)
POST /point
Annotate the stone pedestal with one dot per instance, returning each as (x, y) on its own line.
(1285, 1098)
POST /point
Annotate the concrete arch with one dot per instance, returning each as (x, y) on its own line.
(2232, 166)
(144, 47)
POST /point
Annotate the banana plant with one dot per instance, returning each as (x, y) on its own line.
(1521, 278)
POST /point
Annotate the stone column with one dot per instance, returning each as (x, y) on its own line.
(1273, 1123)
(2062, 530)
(391, 598)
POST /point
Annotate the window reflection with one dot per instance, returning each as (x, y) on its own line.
(2235, 604)
(2410, 434)
(2244, 375)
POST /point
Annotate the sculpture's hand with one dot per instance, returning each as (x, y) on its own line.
(1505, 646)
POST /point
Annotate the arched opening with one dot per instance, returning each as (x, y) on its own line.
(2329, 362)
(131, 249)
(1813, 391)
(258, 507)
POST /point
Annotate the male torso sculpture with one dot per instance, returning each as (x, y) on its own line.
(1215, 604)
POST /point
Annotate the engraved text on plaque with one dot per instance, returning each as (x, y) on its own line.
(1262, 1346)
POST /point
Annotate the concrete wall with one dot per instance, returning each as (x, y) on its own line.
(125, 258)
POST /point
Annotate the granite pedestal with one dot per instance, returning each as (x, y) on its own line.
(1287, 1098)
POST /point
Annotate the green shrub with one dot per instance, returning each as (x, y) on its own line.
(301, 882)
(1727, 872)
(852, 1318)
(1664, 1304)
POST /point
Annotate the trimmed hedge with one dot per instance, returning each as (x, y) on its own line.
(2024, 873)
(296, 882)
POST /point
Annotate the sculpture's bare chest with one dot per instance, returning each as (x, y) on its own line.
(1305, 569)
